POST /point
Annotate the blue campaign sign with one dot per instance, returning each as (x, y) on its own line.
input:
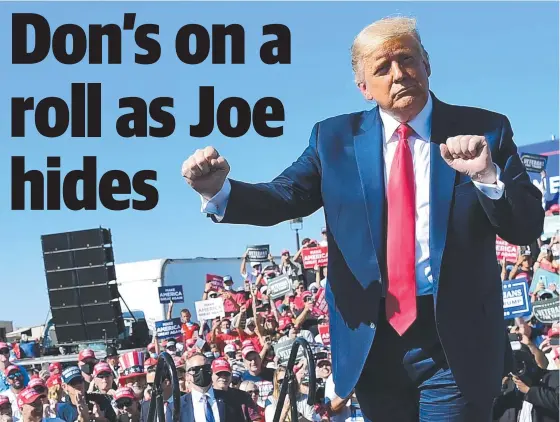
(516, 298)
(168, 328)
(171, 293)
(546, 278)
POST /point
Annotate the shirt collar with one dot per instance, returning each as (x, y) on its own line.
(421, 124)
(197, 395)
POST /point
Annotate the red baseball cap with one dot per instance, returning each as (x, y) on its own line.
(247, 350)
(4, 400)
(125, 392)
(285, 251)
(284, 323)
(102, 368)
(221, 365)
(36, 382)
(148, 363)
(55, 368)
(306, 294)
(86, 354)
(554, 331)
(54, 380)
(10, 369)
(27, 396)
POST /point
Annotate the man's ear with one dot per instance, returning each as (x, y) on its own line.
(428, 68)
(363, 89)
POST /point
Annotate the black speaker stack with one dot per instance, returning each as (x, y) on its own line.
(81, 279)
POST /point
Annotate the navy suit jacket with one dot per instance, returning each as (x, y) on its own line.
(233, 406)
(342, 170)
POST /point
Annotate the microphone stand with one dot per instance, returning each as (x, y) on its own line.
(289, 384)
(157, 402)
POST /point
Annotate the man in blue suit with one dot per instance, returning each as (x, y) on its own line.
(409, 190)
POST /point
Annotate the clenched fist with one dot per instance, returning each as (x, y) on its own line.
(206, 171)
(469, 154)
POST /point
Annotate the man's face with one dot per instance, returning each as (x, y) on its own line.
(253, 363)
(33, 411)
(104, 381)
(225, 326)
(113, 361)
(185, 317)
(15, 379)
(221, 380)
(127, 406)
(396, 77)
(138, 385)
(251, 327)
(4, 354)
(324, 369)
(76, 386)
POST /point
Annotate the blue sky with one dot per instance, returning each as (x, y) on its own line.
(500, 56)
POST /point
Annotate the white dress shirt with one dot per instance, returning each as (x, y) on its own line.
(200, 406)
(419, 144)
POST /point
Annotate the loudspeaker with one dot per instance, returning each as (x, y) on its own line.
(83, 294)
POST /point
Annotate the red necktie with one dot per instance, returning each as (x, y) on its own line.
(400, 303)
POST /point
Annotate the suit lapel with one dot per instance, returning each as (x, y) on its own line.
(189, 408)
(221, 405)
(442, 182)
(368, 146)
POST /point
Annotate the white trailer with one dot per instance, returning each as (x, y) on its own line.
(138, 282)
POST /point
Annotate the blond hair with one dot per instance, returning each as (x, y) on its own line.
(377, 33)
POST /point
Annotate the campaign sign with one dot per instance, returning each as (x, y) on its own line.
(315, 256)
(321, 307)
(283, 349)
(258, 253)
(279, 286)
(516, 298)
(209, 309)
(168, 328)
(217, 281)
(534, 162)
(506, 250)
(171, 293)
(547, 311)
(325, 334)
(546, 277)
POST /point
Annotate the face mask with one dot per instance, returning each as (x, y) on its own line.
(172, 353)
(231, 355)
(202, 378)
(226, 331)
(217, 355)
(153, 355)
(86, 369)
(138, 391)
(227, 287)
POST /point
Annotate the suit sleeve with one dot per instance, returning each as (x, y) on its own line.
(518, 216)
(294, 193)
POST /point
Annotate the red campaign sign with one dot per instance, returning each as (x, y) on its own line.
(506, 250)
(321, 307)
(217, 281)
(325, 334)
(315, 256)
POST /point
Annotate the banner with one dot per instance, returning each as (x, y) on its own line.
(168, 328)
(258, 253)
(283, 349)
(533, 162)
(321, 307)
(547, 311)
(506, 250)
(217, 281)
(545, 277)
(325, 334)
(207, 310)
(315, 256)
(516, 298)
(279, 286)
(171, 293)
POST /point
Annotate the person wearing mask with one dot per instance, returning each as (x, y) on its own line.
(204, 403)
(171, 347)
(6, 414)
(126, 405)
(132, 373)
(5, 363)
(86, 362)
(112, 358)
(16, 382)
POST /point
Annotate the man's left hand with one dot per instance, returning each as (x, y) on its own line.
(521, 386)
(469, 154)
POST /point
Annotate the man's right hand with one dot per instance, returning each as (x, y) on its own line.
(206, 171)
